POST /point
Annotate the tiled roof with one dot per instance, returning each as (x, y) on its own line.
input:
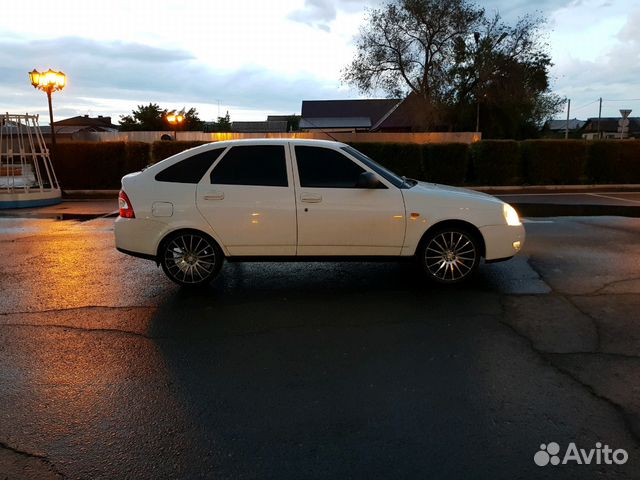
(610, 124)
(574, 124)
(86, 121)
(373, 109)
(335, 122)
(259, 127)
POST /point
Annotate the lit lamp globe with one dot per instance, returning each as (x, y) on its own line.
(49, 82)
(176, 120)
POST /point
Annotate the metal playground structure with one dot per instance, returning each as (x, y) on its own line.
(27, 178)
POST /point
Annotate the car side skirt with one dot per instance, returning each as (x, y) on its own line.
(319, 258)
(146, 256)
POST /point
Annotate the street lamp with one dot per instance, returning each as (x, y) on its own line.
(49, 82)
(176, 120)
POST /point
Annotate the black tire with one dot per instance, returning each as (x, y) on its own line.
(190, 258)
(449, 255)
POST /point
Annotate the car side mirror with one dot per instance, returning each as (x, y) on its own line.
(367, 180)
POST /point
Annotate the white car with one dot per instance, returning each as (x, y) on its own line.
(291, 199)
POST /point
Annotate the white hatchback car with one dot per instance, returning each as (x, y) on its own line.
(290, 199)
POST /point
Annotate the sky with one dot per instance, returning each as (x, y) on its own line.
(253, 58)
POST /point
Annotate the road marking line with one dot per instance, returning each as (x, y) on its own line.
(498, 194)
(613, 198)
(528, 220)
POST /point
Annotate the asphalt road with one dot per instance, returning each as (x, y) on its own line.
(311, 370)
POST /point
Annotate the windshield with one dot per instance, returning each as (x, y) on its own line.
(400, 182)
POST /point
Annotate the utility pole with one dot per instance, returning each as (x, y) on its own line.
(566, 127)
(599, 117)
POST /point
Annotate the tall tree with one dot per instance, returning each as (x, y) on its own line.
(147, 117)
(223, 124)
(191, 120)
(153, 118)
(499, 80)
(451, 57)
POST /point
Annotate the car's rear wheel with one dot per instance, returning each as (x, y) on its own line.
(190, 258)
(450, 255)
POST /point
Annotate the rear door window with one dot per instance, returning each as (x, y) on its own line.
(191, 169)
(263, 165)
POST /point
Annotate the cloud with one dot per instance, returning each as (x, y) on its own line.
(512, 10)
(137, 73)
(612, 74)
(321, 13)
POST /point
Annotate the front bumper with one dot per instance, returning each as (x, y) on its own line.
(501, 241)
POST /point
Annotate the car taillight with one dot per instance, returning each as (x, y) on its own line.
(126, 209)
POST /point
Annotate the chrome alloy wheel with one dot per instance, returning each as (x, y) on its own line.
(450, 256)
(190, 258)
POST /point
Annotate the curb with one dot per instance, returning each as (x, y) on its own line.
(564, 210)
(558, 188)
(90, 194)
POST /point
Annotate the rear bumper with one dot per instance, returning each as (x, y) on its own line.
(139, 235)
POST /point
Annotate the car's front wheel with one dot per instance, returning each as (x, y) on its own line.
(450, 255)
(190, 258)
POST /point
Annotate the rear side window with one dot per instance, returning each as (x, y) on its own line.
(326, 168)
(263, 165)
(190, 170)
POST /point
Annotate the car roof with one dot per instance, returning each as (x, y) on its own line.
(153, 169)
(278, 141)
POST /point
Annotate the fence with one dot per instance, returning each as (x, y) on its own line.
(365, 137)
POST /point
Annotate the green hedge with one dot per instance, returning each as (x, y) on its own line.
(442, 162)
(87, 165)
(554, 161)
(613, 162)
(495, 162)
(401, 158)
(138, 154)
(445, 162)
(165, 149)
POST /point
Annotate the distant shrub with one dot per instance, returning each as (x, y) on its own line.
(495, 162)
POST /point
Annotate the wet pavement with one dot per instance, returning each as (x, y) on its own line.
(77, 209)
(539, 204)
(311, 370)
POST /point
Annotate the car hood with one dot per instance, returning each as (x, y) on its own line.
(453, 193)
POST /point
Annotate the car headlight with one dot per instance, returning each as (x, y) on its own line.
(510, 215)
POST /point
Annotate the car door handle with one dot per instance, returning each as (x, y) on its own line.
(311, 197)
(214, 195)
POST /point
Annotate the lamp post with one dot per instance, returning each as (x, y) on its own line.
(49, 82)
(176, 120)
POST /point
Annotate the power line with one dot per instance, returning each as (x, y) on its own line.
(622, 100)
(586, 105)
